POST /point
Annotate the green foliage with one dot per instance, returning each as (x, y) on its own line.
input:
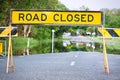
(59, 46)
(112, 18)
(6, 5)
(80, 47)
(91, 29)
(111, 44)
(115, 22)
(20, 43)
(60, 6)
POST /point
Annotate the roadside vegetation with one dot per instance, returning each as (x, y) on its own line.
(112, 44)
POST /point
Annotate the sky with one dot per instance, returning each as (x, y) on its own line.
(91, 4)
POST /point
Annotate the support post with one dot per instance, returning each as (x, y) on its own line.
(10, 62)
(28, 45)
(53, 40)
(106, 67)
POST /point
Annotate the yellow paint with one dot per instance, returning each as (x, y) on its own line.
(104, 32)
(1, 48)
(56, 17)
(6, 32)
(117, 31)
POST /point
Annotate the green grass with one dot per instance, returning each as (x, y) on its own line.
(112, 45)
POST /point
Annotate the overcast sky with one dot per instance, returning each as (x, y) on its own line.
(91, 4)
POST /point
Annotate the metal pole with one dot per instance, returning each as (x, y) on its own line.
(53, 40)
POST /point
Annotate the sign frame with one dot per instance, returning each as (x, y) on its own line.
(101, 23)
(61, 11)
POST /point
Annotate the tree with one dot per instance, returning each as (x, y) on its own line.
(84, 8)
(112, 18)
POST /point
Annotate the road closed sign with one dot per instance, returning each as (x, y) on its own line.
(56, 17)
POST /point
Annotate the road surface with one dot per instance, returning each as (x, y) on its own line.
(62, 66)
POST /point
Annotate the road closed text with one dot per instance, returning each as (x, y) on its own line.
(74, 18)
(56, 17)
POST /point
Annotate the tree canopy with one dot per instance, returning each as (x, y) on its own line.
(112, 18)
(6, 5)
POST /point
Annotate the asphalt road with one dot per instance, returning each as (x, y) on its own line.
(62, 66)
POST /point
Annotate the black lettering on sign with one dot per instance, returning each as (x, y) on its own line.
(43, 17)
(83, 17)
(61, 18)
(55, 17)
(76, 18)
(90, 18)
(21, 16)
(28, 17)
(69, 17)
(36, 17)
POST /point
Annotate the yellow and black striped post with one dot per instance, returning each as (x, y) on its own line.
(109, 32)
(5, 31)
(10, 62)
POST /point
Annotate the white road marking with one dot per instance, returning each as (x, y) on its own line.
(72, 63)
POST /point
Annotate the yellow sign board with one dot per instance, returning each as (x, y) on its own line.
(56, 17)
(1, 48)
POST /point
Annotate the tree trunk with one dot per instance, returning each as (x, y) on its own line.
(27, 30)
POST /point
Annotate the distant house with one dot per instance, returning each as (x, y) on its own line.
(88, 33)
